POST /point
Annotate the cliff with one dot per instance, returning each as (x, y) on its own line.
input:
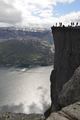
(66, 61)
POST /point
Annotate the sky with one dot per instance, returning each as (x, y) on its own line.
(39, 12)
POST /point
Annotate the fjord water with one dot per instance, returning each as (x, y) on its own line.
(25, 90)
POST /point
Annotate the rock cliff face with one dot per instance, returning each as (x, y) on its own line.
(70, 92)
(20, 116)
(66, 61)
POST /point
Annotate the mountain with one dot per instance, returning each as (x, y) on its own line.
(10, 33)
(25, 47)
(25, 53)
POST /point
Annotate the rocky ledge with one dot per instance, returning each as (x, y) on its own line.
(71, 112)
(20, 116)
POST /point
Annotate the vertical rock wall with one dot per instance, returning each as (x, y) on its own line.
(66, 60)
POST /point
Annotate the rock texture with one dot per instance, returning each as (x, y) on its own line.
(70, 92)
(65, 87)
(71, 112)
(20, 116)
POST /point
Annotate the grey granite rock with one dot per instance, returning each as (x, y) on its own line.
(71, 112)
(65, 86)
(56, 116)
(70, 92)
(20, 116)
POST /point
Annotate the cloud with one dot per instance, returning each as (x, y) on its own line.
(34, 108)
(8, 13)
(41, 11)
(43, 100)
(31, 12)
(43, 103)
(62, 1)
(71, 17)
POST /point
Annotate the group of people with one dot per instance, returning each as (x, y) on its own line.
(72, 24)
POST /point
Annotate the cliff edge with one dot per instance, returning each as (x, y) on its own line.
(65, 78)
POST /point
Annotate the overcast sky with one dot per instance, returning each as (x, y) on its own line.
(31, 12)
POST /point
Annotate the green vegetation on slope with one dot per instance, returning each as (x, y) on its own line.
(25, 53)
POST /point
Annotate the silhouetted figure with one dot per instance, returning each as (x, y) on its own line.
(71, 23)
(77, 24)
(56, 24)
(60, 24)
(63, 26)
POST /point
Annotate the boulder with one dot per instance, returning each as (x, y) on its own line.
(70, 92)
(71, 112)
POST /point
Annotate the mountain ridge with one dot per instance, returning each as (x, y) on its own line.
(9, 33)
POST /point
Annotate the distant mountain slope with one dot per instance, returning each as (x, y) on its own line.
(10, 34)
(25, 53)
